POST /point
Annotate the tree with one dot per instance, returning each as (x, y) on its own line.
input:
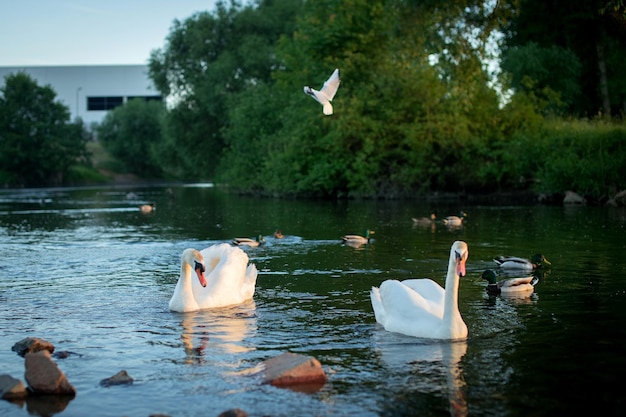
(38, 144)
(133, 134)
(207, 59)
(594, 31)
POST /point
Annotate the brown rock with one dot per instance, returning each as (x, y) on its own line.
(234, 412)
(32, 344)
(290, 369)
(11, 388)
(44, 376)
(119, 378)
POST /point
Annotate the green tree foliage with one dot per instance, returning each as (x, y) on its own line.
(551, 74)
(207, 59)
(402, 125)
(416, 110)
(132, 133)
(38, 144)
(593, 31)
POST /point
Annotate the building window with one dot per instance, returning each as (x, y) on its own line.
(104, 103)
(146, 98)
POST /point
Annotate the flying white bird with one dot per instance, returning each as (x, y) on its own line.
(326, 94)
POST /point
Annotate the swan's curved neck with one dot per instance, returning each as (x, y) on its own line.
(185, 276)
(451, 300)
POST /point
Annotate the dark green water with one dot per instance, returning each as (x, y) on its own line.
(84, 269)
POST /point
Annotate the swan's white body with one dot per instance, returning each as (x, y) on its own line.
(229, 279)
(420, 307)
(327, 93)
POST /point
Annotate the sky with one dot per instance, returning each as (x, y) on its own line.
(88, 32)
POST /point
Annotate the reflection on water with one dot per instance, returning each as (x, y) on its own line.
(436, 365)
(86, 270)
(223, 329)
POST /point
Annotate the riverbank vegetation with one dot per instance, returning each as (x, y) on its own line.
(423, 106)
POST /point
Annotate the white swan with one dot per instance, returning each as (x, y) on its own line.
(420, 307)
(229, 279)
(327, 93)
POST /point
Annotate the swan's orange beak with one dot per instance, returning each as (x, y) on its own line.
(460, 268)
(201, 277)
(460, 265)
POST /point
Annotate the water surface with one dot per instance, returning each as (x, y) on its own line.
(86, 270)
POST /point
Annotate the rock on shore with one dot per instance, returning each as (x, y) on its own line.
(11, 388)
(32, 344)
(44, 376)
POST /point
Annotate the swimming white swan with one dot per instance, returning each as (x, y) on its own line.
(420, 307)
(229, 279)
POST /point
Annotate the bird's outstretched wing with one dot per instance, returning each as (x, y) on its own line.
(329, 89)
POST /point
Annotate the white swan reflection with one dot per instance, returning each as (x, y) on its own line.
(218, 330)
(437, 362)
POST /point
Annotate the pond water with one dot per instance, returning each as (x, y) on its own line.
(86, 270)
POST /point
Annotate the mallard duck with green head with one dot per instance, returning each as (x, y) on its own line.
(358, 240)
(513, 262)
(245, 241)
(508, 286)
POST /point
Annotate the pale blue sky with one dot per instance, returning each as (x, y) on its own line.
(88, 32)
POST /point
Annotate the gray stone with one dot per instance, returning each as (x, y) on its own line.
(119, 378)
(573, 198)
(32, 344)
(11, 388)
(618, 200)
(43, 376)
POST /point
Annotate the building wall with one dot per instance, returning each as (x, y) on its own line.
(85, 90)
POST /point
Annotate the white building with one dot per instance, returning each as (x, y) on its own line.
(90, 91)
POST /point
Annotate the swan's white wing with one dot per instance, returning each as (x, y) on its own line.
(377, 305)
(249, 283)
(228, 277)
(427, 288)
(404, 303)
(329, 89)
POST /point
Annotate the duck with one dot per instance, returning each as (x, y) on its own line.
(421, 307)
(507, 286)
(424, 220)
(278, 234)
(245, 241)
(223, 277)
(455, 220)
(327, 93)
(513, 262)
(147, 208)
(356, 239)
